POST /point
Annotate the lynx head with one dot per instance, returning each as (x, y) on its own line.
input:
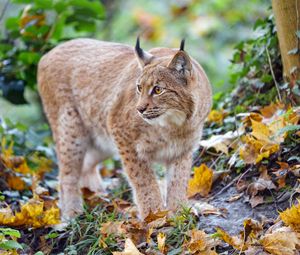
(164, 87)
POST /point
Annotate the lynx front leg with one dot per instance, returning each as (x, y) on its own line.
(177, 180)
(71, 139)
(142, 179)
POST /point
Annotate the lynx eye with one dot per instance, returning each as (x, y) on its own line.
(139, 88)
(157, 90)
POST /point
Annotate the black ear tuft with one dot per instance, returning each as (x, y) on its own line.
(143, 57)
(138, 49)
(182, 45)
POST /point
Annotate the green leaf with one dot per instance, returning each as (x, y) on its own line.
(10, 232)
(44, 4)
(29, 58)
(12, 23)
(52, 235)
(91, 7)
(266, 78)
(10, 245)
(39, 253)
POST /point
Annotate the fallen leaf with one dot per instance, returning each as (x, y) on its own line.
(129, 249)
(31, 214)
(295, 170)
(204, 208)
(221, 142)
(256, 200)
(161, 242)
(136, 230)
(200, 243)
(112, 228)
(260, 185)
(235, 197)
(154, 216)
(281, 242)
(291, 217)
(234, 241)
(251, 229)
(216, 116)
(201, 182)
(16, 183)
(270, 110)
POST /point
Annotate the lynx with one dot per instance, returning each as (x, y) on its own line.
(104, 98)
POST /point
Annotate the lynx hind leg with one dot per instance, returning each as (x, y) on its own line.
(90, 177)
(71, 139)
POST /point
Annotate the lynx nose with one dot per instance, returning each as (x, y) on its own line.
(142, 109)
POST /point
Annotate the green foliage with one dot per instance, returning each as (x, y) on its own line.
(26, 140)
(8, 240)
(257, 66)
(39, 27)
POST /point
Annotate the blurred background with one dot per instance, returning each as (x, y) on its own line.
(29, 29)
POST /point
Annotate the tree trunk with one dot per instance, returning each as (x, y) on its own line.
(287, 19)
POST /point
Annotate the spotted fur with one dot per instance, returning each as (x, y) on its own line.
(89, 93)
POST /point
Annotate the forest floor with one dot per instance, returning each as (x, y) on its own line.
(243, 195)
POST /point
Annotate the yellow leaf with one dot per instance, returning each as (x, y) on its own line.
(291, 217)
(260, 131)
(31, 214)
(197, 242)
(161, 241)
(130, 249)
(216, 116)
(23, 168)
(16, 183)
(281, 242)
(234, 241)
(201, 182)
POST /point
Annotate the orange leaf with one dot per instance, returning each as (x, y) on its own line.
(16, 183)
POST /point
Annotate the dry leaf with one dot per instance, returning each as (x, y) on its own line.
(235, 197)
(251, 229)
(234, 241)
(291, 217)
(216, 116)
(154, 216)
(266, 134)
(200, 243)
(33, 214)
(260, 185)
(16, 183)
(112, 227)
(256, 200)
(204, 208)
(221, 142)
(201, 182)
(130, 249)
(281, 242)
(161, 242)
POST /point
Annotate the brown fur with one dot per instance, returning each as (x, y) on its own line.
(89, 93)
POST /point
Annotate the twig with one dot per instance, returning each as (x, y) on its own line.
(4, 10)
(294, 192)
(225, 188)
(298, 25)
(273, 75)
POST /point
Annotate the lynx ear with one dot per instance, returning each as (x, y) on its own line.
(181, 61)
(143, 57)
